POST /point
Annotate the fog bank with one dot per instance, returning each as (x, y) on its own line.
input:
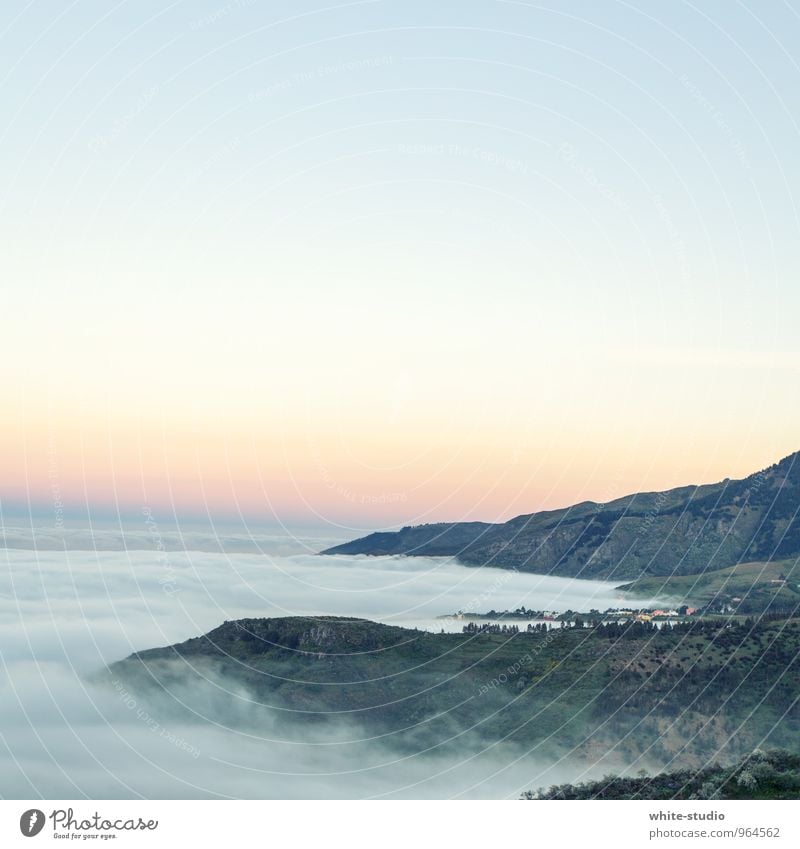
(65, 614)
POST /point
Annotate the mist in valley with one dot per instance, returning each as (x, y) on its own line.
(70, 732)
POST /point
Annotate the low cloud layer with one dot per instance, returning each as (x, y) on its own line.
(66, 614)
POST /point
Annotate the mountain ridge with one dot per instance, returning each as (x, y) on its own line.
(625, 689)
(683, 530)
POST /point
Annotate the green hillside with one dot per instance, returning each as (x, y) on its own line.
(748, 588)
(682, 531)
(760, 775)
(699, 690)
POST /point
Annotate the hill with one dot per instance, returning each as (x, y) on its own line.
(692, 692)
(760, 775)
(682, 531)
(748, 588)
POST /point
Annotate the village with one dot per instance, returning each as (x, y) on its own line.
(549, 617)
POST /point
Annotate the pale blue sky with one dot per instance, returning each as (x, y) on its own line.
(281, 217)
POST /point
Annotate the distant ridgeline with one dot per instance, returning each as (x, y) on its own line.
(681, 531)
(676, 695)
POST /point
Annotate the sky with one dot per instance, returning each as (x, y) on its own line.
(380, 263)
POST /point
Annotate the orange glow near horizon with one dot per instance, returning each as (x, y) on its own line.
(446, 286)
(306, 471)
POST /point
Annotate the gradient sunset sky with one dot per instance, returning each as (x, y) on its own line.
(382, 263)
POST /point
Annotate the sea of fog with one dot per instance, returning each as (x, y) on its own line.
(71, 602)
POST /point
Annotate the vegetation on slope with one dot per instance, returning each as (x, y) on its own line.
(694, 691)
(747, 588)
(774, 774)
(683, 531)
